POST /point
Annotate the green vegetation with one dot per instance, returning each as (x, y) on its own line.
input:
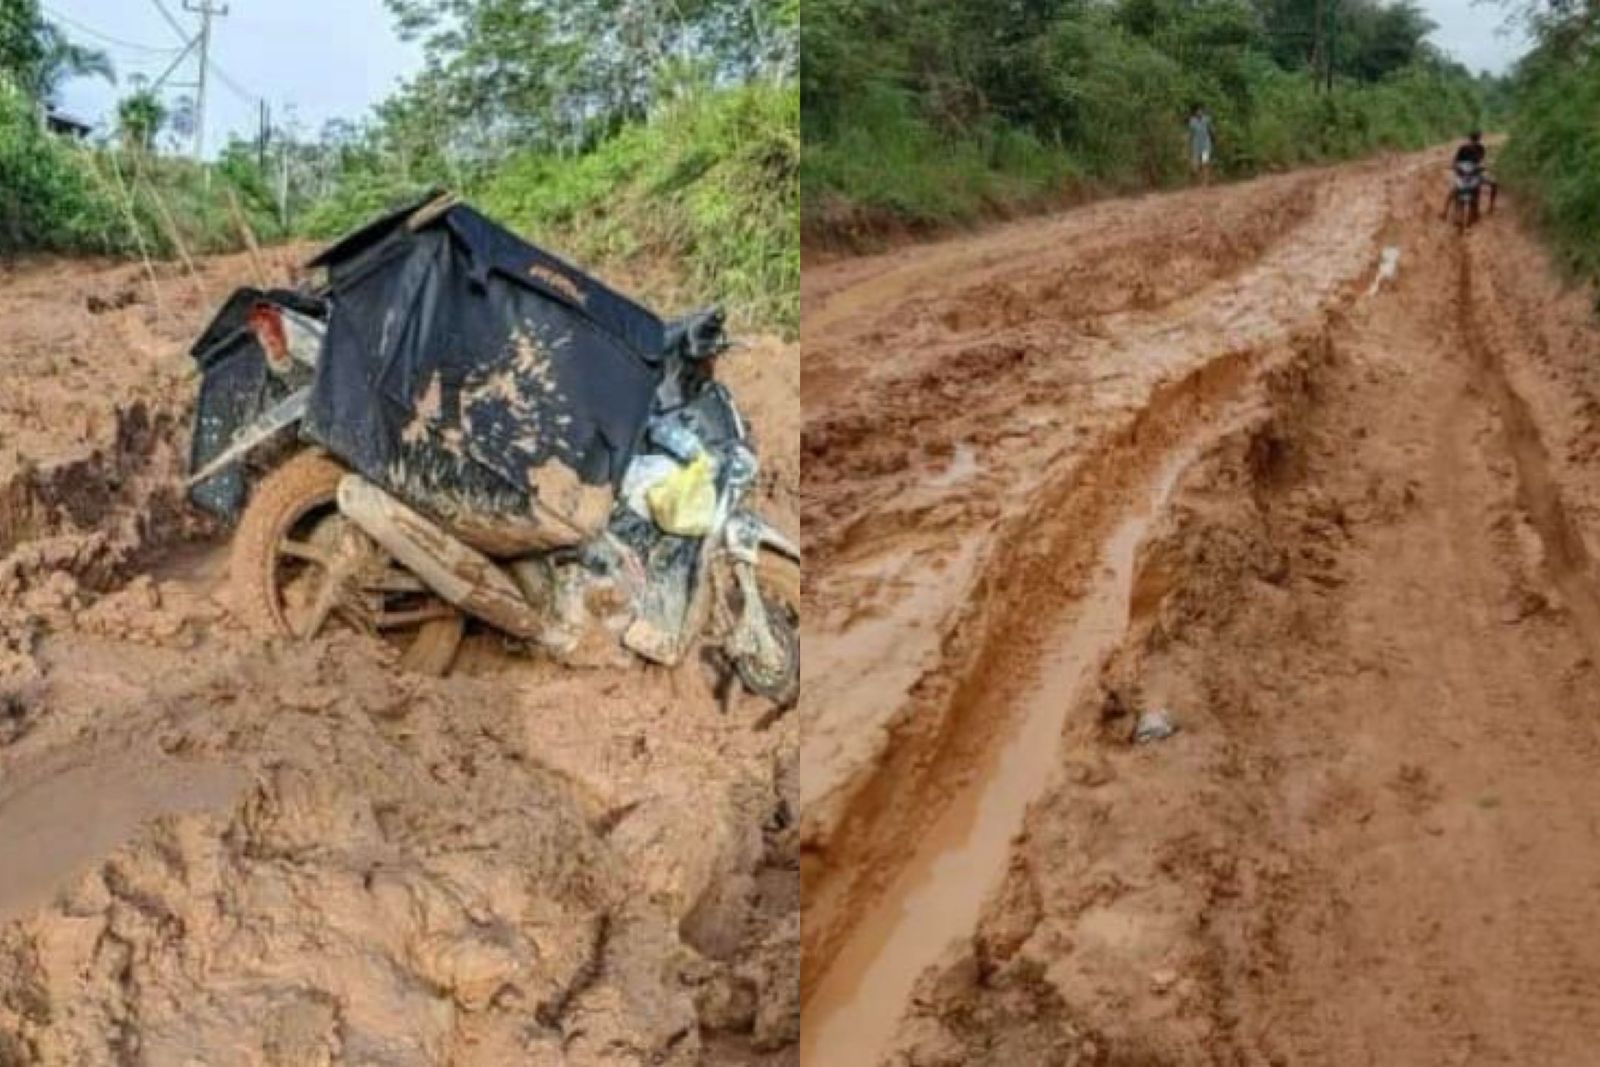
(707, 186)
(1553, 158)
(119, 198)
(140, 117)
(661, 144)
(665, 136)
(712, 181)
(926, 112)
(49, 196)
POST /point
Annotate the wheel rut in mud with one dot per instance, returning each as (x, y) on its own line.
(1049, 480)
(1569, 561)
(960, 798)
(1368, 604)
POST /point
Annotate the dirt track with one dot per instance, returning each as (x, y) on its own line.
(219, 850)
(1174, 453)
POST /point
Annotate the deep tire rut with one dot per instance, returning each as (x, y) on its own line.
(1568, 558)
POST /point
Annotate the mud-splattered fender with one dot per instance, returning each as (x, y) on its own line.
(748, 534)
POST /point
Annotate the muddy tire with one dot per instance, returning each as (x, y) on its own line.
(778, 578)
(304, 490)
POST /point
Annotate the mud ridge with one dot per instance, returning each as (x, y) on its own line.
(1040, 563)
(988, 1001)
(102, 516)
(1570, 564)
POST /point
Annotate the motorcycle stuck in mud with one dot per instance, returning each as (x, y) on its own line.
(454, 423)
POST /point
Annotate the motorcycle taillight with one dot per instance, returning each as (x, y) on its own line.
(266, 323)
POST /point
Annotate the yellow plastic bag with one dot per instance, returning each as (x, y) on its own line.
(685, 501)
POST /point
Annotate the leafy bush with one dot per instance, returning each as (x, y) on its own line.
(706, 185)
(906, 102)
(710, 181)
(1554, 154)
(889, 160)
(56, 195)
(669, 152)
(49, 198)
(359, 198)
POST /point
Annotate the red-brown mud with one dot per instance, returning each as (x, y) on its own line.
(1367, 600)
(215, 849)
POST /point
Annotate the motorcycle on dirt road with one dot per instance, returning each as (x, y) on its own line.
(458, 425)
(1468, 181)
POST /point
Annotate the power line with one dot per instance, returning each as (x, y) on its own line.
(174, 65)
(207, 10)
(233, 86)
(106, 37)
(177, 27)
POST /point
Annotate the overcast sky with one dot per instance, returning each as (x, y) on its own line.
(327, 58)
(1473, 31)
(336, 58)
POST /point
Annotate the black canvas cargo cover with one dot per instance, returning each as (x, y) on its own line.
(460, 359)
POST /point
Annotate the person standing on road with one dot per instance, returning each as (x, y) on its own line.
(1200, 144)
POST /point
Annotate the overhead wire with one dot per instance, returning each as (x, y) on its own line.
(188, 40)
(177, 27)
(233, 86)
(107, 38)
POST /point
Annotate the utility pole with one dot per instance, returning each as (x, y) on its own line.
(283, 180)
(265, 137)
(207, 12)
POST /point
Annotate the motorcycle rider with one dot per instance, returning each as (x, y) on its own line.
(1474, 151)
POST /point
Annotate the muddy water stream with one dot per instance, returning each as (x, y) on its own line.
(937, 897)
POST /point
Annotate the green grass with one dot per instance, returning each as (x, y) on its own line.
(707, 188)
(1103, 110)
(61, 196)
(706, 192)
(709, 183)
(50, 199)
(890, 163)
(1553, 158)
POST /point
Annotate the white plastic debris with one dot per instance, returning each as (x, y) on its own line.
(1388, 268)
(1154, 725)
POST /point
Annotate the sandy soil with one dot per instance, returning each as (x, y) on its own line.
(1341, 537)
(218, 850)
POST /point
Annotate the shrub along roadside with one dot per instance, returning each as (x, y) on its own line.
(708, 186)
(1553, 157)
(60, 196)
(707, 189)
(49, 197)
(920, 114)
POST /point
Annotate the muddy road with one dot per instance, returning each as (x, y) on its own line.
(1197, 454)
(215, 849)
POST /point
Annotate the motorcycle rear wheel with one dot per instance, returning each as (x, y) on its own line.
(297, 562)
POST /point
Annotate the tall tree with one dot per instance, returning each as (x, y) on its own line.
(38, 56)
(556, 73)
(139, 118)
